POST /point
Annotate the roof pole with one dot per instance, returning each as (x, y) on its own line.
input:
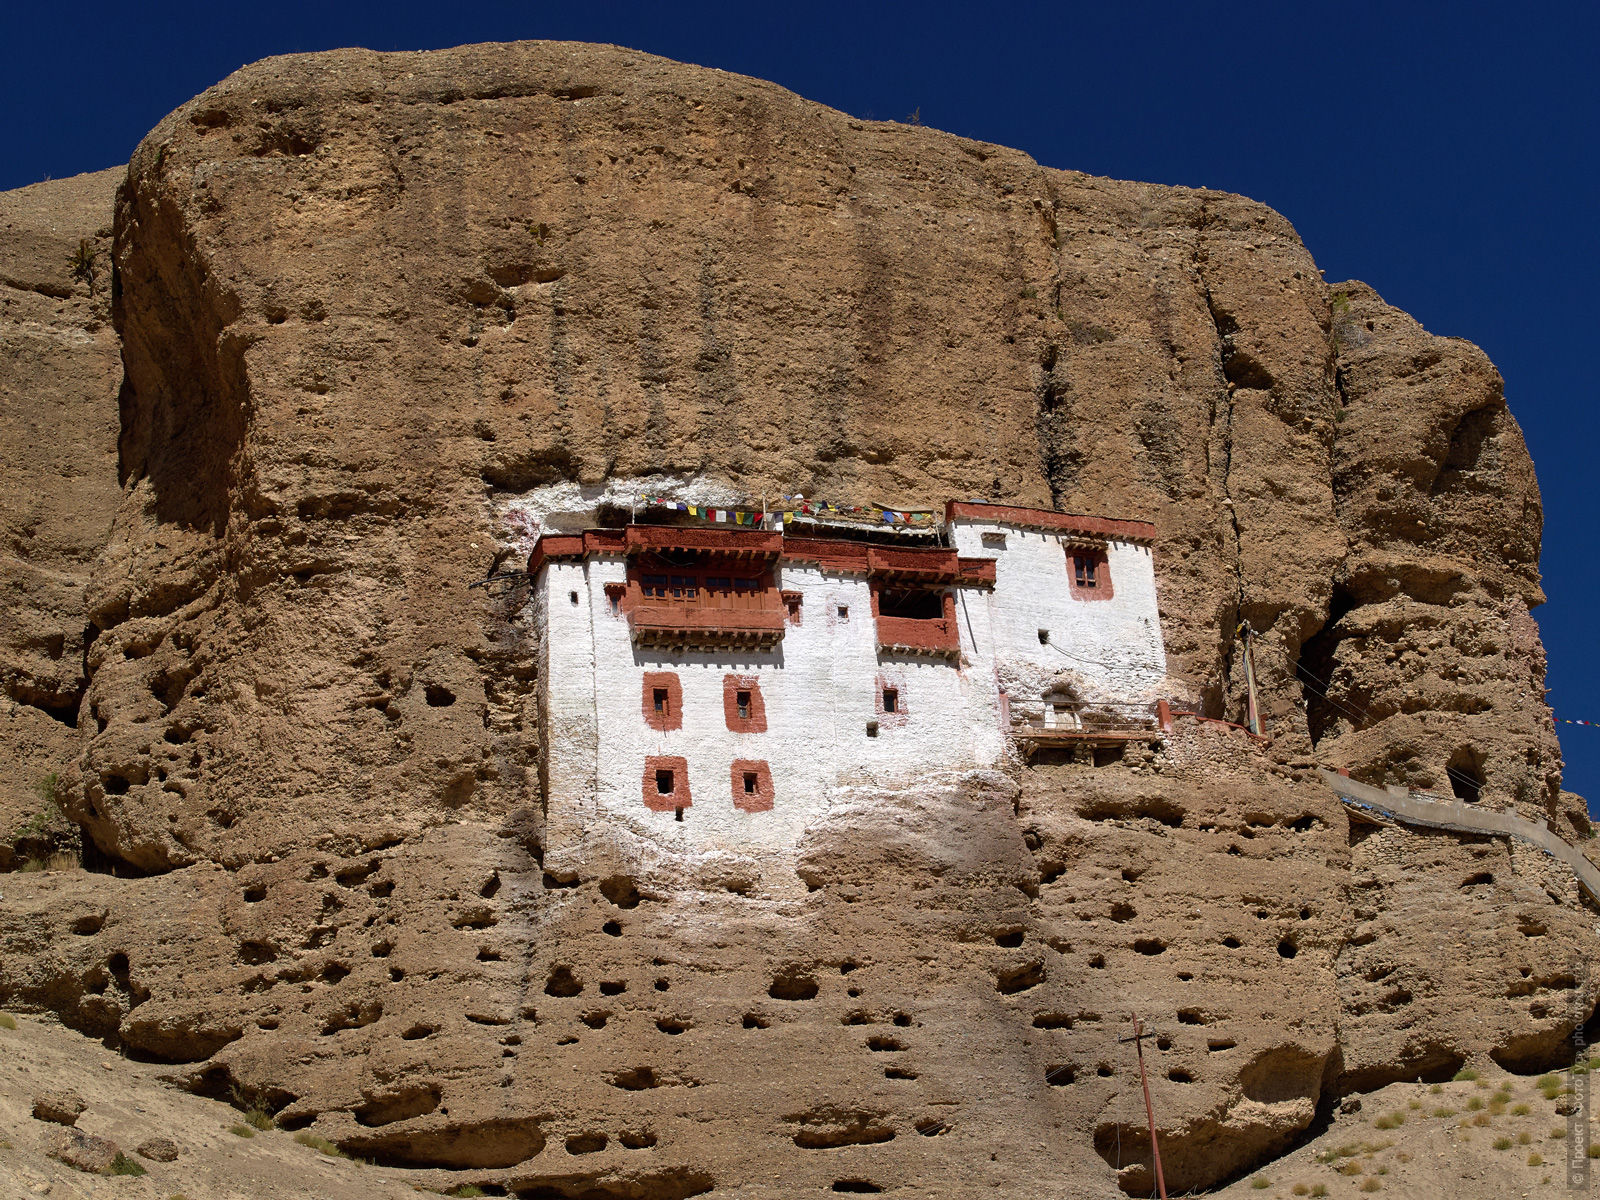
(1149, 1111)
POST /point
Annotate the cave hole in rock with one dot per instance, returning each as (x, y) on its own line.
(1150, 946)
(613, 987)
(612, 929)
(1305, 914)
(90, 925)
(636, 1079)
(490, 887)
(848, 965)
(671, 1025)
(619, 889)
(1178, 1075)
(902, 1019)
(1009, 938)
(793, 984)
(1482, 877)
(1131, 874)
(858, 1017)
(553, 882)
(1465, 771)
(1163, 1042)
(587, 1143)
(1060, 1076)
(1105, 756)
(1191, 1016)
(381, 949)
(1217, 1045)
(853, 993)
(562, 982)
(1231, 942)
(254, 953)
(255, 894)
(1104, 1071)
(884, 1043)
(663, 985)
(1287, 948)
(931, 1127)
(1315, 668)
(334, 972)
(898, 1073)
(1052, 1020)
(1098, 962)
(438, 696)
(1121, 912)
(855, 1185)
(1009, 981)
(417, 1032)
(641, 1139)
(381, 890)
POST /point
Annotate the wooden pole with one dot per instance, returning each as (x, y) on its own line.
(1149, 1109)
(1252, 719)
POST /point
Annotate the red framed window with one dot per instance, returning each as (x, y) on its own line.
(743, 707)
(752, 785)
(1089, 574)
(662, 701)
(666, 783)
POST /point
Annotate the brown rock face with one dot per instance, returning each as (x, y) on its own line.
(365, 301)
(58, 484)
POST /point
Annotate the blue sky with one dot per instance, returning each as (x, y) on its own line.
(1445, 154)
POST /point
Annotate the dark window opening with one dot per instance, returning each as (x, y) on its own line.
(743, 701)
(664, 787)
(573, 596)
(891, 700)
(872, 729)
(660, 695)
(1044, 637)
(677, 814)
(914, 604)
(616, 605)
(749, 783)
(1086, 570)
(654, 585)
(844, 612)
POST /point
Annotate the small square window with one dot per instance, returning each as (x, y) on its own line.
(573, 596)
(664, 787)
(1085, 569)
(750, 782)
(891, 700)
(660, 697)
(1044, 637)
(844, 612)
(872, 729)
(616, 605)
(743, 699)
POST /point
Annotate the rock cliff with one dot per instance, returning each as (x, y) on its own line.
(362, 302)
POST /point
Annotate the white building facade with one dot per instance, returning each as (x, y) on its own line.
(712, 689)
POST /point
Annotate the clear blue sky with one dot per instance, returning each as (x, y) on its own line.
(1446, 154)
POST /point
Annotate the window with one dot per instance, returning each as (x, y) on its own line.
(742, 706)
(573, 596)
(844, 612)
(662, 701)
(1044, 637)
(666, 784)
(872, 729)
(654, 585)
(912, 604)
(891, 700)
(1085, 571)
(685, 587)
(1088, 574)
(751, 780)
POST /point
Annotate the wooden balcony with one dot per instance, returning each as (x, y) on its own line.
(905, 635)
(1094, 729)
(687, 626)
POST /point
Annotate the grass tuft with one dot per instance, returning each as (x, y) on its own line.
(240, 1129)
(1319, 1189)
(1465, 1075)
(321, 1144)
(1444, 1112)
(1474, 1103)
(467, 1189)
(1261, 1183)
(123, 1165)
(1520, 1110)
(1536, 1159)
(7, 1021)
(1502, 1143)
(1557, 1133)
(1369, 1184)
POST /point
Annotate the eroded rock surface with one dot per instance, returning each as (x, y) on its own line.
(366, 301)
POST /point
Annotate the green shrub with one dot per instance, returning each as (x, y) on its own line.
(260, 1118)
(1390, 1121)
(1502, 1143)
(1474, 1103)
(1524, 1138)
(1369, 1184)
(123, 1165)
(1594, 1150)
(321, 1144)
(1520, 1110)
(1261, 1183)
(7, 1021)
(1444, 1112)
(467, 1189)
(1319, 1189)
(1300, 1189)
(240, 1129)
(1436, 1088)
(1465, 1075)
(1559, 1132)
(1536, 1159)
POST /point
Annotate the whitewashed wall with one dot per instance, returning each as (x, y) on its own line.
(1111, 651)
(820, 689)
